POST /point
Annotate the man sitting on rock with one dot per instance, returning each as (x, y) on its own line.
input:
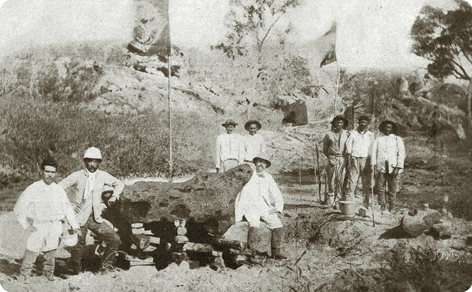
(261, 199)
(388, 157)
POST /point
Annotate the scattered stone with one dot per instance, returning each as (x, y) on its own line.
(441, 231)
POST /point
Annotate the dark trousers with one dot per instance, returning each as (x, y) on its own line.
(105, 233)
(393, 183)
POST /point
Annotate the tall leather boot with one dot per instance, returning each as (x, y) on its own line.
(276, 242)
(48, 269)
(27, 266)
(253, 237)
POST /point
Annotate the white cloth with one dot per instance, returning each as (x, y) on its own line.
(229, 146)
(253, 145)
(388, 149)
(44, 203)
(86, 205)
(359, 144)
(257, 198)
(46, 236)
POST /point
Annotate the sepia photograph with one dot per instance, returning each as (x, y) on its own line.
(236, 145)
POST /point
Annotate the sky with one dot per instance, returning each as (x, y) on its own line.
(369, 33)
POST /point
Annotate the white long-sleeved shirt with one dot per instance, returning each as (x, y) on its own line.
(229, 146)
(388, 149)
(44, 203)
(258, 197)
(358, 144)
(253, 145)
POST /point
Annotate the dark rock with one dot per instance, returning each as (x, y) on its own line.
(441, 231)
(207, 199)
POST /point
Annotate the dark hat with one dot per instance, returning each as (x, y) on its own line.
(264, 157)
(337, 118)
(364, 118)
(249, 123)
(384, 123)
(229, 122)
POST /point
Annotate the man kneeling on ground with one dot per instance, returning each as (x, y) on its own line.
(47, 204)
(261, 199)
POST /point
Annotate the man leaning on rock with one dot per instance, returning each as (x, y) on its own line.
(89, 184)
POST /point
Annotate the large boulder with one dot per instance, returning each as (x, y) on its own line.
(207, 199)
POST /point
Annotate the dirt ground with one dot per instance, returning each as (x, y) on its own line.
(322, 246)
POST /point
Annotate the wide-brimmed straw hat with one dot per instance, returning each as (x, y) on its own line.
(384, 123)
(264, 157)
(229, 122)
(337, 118)
(249, 123)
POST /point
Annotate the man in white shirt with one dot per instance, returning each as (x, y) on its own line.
(229, 148)
(89, 185)
(358, 167)
(47, 204)
(388, 157)
(254, 143)
(261, 199)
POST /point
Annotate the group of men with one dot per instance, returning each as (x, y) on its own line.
(260, 199)
(357, 156)
(48, 205)
(352, 156)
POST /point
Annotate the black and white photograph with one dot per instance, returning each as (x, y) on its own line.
(236, 145)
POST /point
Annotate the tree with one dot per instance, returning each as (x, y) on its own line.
(445, 38)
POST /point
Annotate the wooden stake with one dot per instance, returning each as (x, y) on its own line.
(319, 173)
(171, 163)
(372, 193)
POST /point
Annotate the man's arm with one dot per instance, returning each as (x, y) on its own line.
(117, 185)
(401, 153)
(68, 212)
(21, 207)
(278, 198)
(326, 145)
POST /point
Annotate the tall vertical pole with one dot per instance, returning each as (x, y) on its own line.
(171, 163)
(338, 73)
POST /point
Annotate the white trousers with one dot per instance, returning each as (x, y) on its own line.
(46, 236)
(272, 220)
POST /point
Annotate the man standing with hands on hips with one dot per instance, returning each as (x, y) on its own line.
(89, 184)
(47, 204)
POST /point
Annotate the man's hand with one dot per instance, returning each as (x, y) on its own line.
(111, 200)
(273, 211)
(396, 170)
(78, 231)
(31, 229)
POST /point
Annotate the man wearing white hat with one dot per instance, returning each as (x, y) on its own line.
(89, 184)
(47, 204)
(261, 199)
(229, 148)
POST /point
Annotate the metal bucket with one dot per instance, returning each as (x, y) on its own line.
(348, 208)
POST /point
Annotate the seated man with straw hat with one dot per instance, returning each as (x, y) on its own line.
(261, 199)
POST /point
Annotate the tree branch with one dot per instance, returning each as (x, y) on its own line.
(466, 76)
(267, 33)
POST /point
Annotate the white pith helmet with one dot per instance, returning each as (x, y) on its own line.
(69, 239)
(93, 153)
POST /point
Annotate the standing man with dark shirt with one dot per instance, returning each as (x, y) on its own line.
(334, 146)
